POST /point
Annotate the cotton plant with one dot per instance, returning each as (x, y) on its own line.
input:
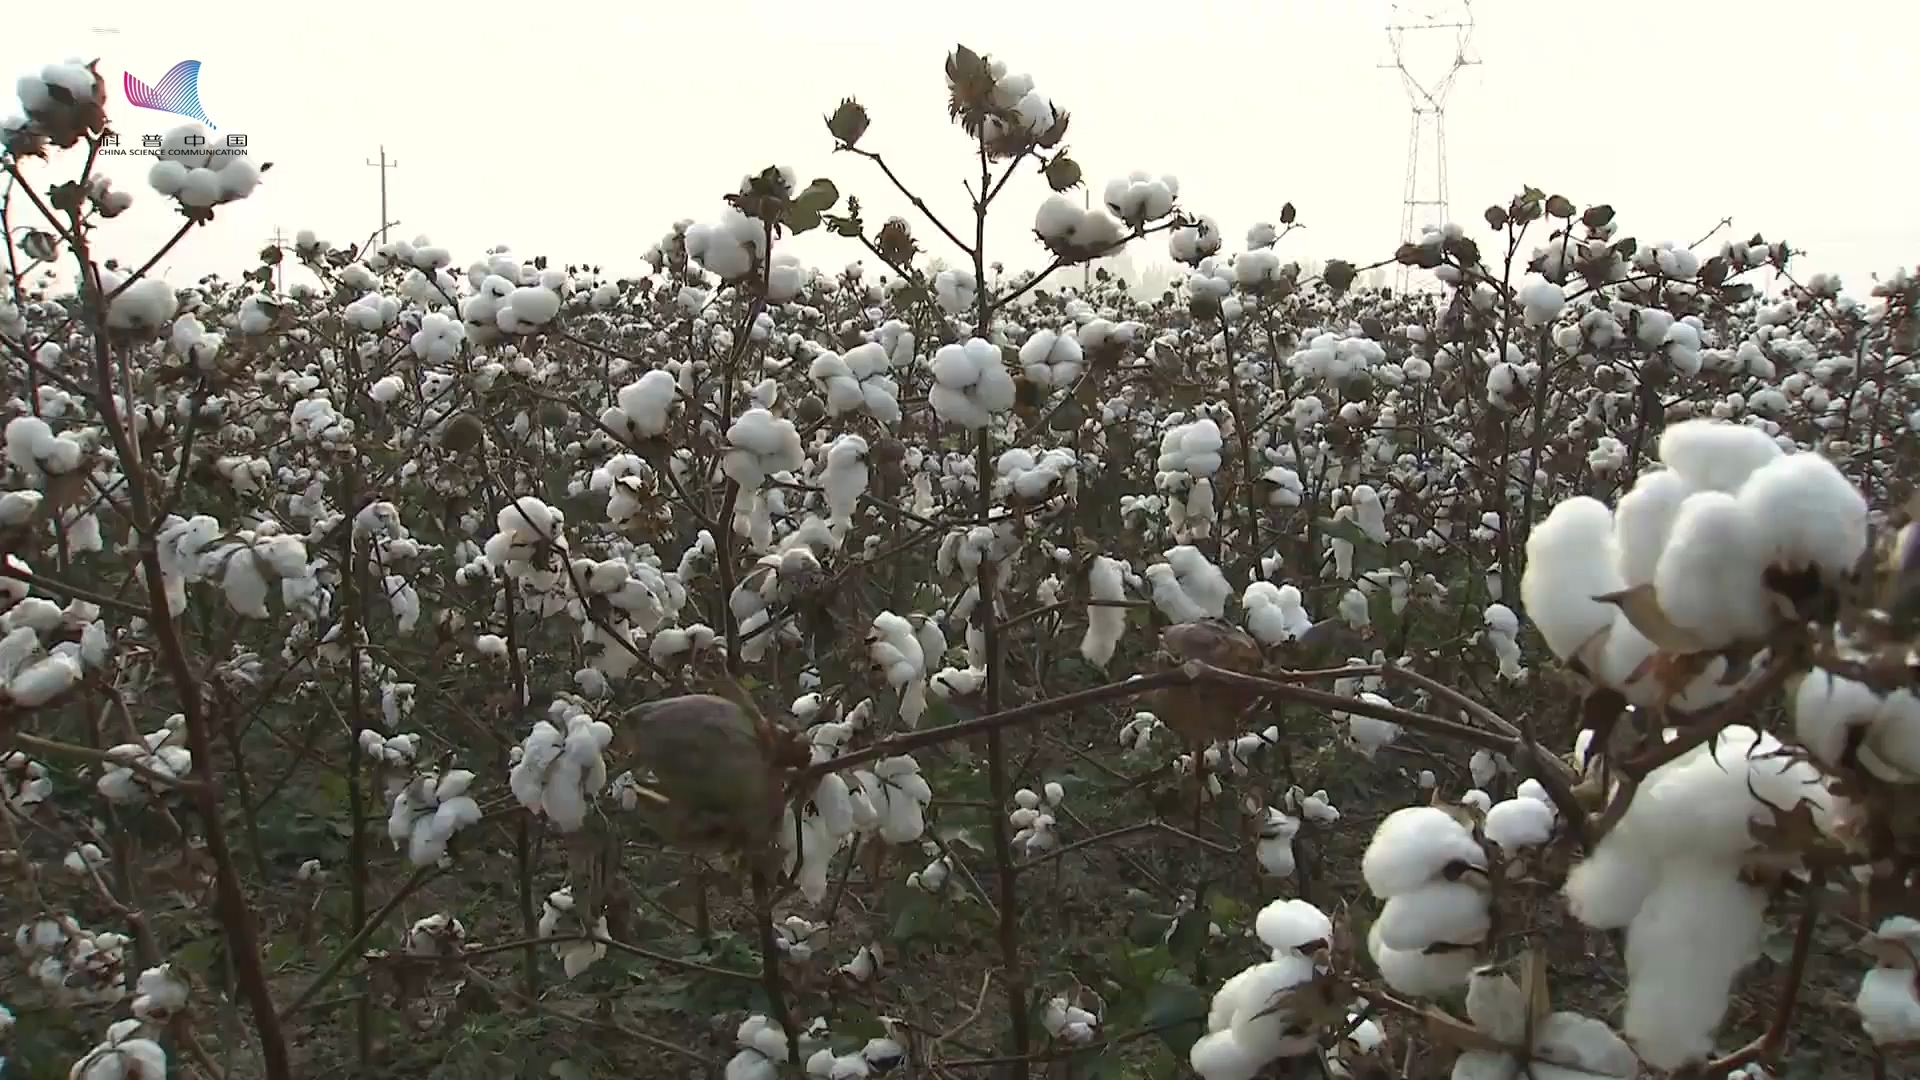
(971, 384)
(1036, 830)
(1673, 874)
(576, 956)
(1697, 541)
(1427, 866)
(561, 768)
(896, 651)
(856, 380)
(125, 1054)
(1069, 1023)
(1269, 1011)
(429, 811)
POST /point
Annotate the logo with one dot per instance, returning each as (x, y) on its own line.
(177, 92)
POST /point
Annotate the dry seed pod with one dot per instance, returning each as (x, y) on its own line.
(714, 785)
(1206, 712)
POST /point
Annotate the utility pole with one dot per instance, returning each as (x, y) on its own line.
(279, 241)
(383, 165)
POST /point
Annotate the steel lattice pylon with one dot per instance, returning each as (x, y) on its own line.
(1409, 21)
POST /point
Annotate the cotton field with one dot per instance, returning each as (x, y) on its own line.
(487, 666)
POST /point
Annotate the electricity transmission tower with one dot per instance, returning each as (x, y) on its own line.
(1412, 24)
(383, 165)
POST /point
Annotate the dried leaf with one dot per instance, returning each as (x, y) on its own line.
(1642, 607)
(1457, 1033)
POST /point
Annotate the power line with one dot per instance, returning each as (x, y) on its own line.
(383, 165)
(1427, 100)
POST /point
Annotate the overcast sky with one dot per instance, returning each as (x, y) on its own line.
(582, 131)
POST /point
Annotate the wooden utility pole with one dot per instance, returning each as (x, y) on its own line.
(383, 165)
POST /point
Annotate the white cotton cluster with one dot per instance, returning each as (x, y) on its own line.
(895, 649)
(970, 383)
(1021, 472)
(1192, 448)
(759, 445)
(1432, 873)
(1021, 112)
(192, 169)
(529, 530)
(1832, 713)
(955, 291)
(731, 247)
(160, 994)
(1333, 359)
(1889, 998)
(763, 1049)
(62, 103)
(877, 1058)
(844, 480)
(1191, 243)
(146, 307)
(1703, 533)
(137, 771)
(1503, 638)
(577, 955)
(858, 379)
(1274, 851)
(1266, 1012)
(1187, 587)
(1139, 198)
(1558, 1045)
(1274, 613)
(1541, 301)
(439, 338)
(1067, 1022)
(439, 934)
(125, 1054)
(1670, 873)
(1369, 734)
(1106, 580)
(73, 965)
(899, 796)
(1052, 358)
(1033, 819)
(641, 407)
(24, 783)
(428, 812)
(560, 769)
(1074, 232)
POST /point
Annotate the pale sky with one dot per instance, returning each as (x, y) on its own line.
(581, 131)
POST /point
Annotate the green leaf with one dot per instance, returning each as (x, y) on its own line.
(568, 1069)
(799, 219)
(1178, 1012)
(818, 197)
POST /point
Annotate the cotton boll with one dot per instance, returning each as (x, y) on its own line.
(1520, 823)
(1700, 926)
(1809, 513)
(1712, 455)
(1608, 888)
(1291, 924)
(1413, 846)
(1643, 521)
(1710, 579)
(1570, 561)
(1446, 912)
(1421, 974)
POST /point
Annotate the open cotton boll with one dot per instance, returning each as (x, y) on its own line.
(1711, 578)
(1809, 514)
(1643, 520)
(1828, 709)
(1713, 455)
(1105, 625)
(1446, 912)
(1520, 823)
(1699, 927)
(1291, 925)
(1413, 846)
(1421, 974)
